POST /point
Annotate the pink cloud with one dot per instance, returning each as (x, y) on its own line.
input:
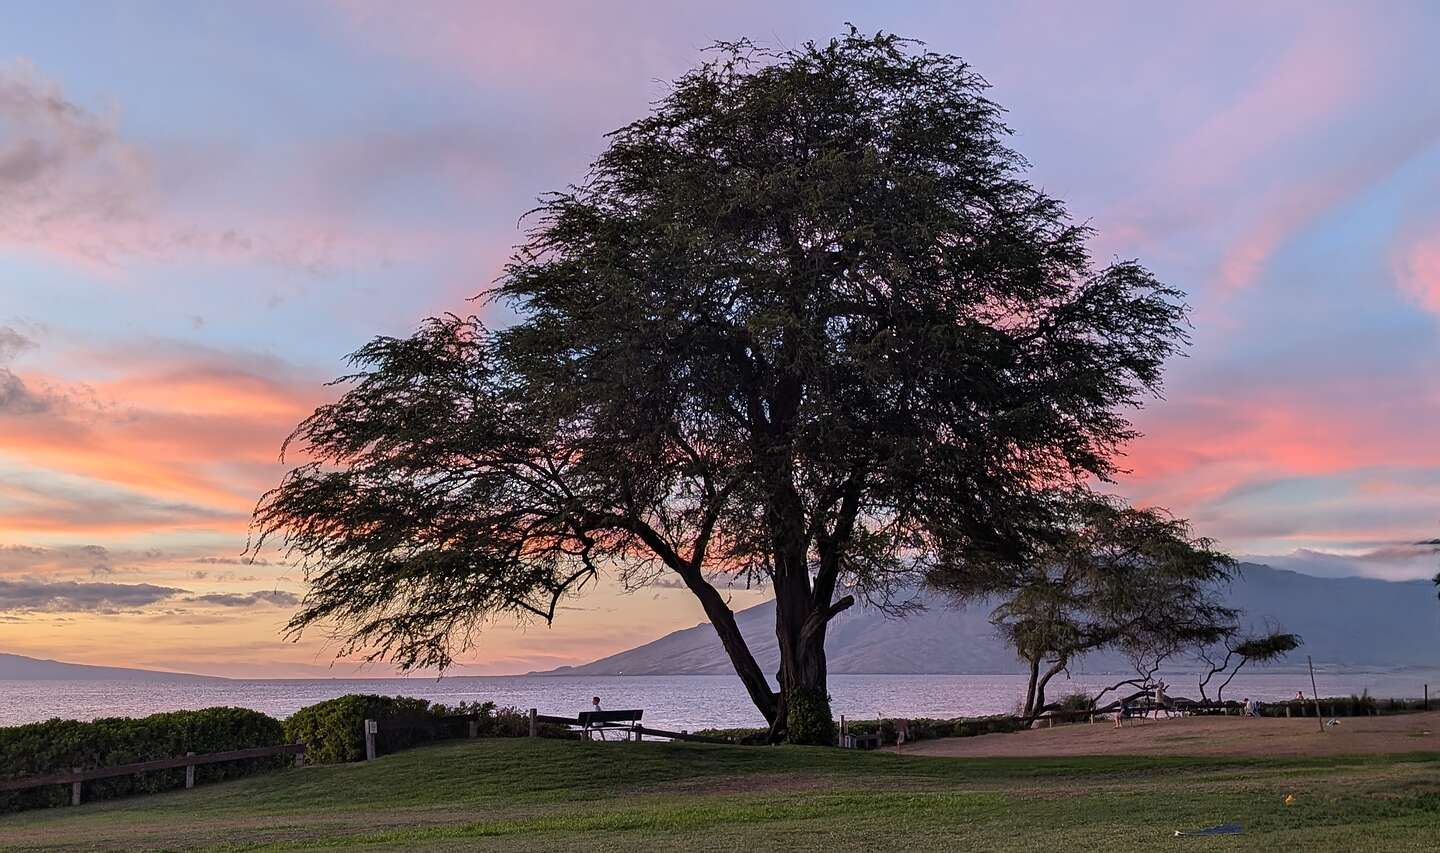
(1252, 176)
(174, 438)
(1417, 271)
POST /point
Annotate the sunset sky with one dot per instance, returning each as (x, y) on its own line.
(204, 207)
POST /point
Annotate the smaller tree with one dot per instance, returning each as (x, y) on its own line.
(1230, 655)
(1110, 576)
(1146, 654)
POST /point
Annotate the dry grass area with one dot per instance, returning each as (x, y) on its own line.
(1207, 736)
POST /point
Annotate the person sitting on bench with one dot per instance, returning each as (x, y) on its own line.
(590, 728)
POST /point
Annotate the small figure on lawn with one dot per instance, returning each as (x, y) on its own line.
(1160, 699)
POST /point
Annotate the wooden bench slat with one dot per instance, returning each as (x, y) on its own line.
(590, 718)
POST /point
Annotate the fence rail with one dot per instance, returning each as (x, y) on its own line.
(374, 728)
(82, 774)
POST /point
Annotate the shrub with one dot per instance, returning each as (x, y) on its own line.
(746, 736)
(333, 731)
(922, 728)
(58, 745)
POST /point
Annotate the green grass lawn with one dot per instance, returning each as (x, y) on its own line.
(518, 795)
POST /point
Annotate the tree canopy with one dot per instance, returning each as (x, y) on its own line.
(804, 324)
(1108, 576)
(1231, 653)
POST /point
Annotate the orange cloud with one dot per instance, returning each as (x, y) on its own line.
(197, 440)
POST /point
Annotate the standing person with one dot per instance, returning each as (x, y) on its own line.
(1120, 715)
(1160, 699)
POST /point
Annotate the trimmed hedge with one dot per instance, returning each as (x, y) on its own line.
(920, 729)
(333, 731)
(930, 729)
(1363, 705)
(55, 746)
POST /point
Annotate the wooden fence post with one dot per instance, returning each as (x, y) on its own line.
(75, 789)
(534, 726)
(371, 727)
(189, 772)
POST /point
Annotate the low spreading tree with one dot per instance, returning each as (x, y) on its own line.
(1228, 656)
(805, 324)
(1109, 576)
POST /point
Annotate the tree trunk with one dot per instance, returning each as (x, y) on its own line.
(1044, 680)
(800, 628)
(1029, 709)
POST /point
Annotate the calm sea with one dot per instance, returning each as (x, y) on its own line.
(689, 702)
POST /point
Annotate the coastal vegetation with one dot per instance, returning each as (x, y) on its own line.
(331, 731)
(1109, 576)
(53, 746)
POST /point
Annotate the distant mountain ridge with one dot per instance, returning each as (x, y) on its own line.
(1348, 622)
(21, 668)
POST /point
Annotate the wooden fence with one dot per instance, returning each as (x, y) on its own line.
(75, 777)
(373, 728)
(639, 730)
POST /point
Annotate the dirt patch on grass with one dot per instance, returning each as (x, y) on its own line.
(1205, 736)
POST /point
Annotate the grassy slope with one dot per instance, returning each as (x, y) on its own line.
(556, 795)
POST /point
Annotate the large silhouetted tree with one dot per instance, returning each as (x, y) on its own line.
(804, 324)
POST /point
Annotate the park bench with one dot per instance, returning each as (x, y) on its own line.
(858, 740)
(602, 721)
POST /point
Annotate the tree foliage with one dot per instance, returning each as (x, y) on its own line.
(1229, 655)
(1108, 576)
(805, 324)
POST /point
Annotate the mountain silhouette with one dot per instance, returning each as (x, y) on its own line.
(1347, 622)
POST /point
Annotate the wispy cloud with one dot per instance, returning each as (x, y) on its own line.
(73, 186)
(12, 343)
(1417, 271)
(1391, 561)
(73, 559)
(279, 598)
(74, 596)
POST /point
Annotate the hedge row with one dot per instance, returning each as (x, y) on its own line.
(56, 746)
(1343, 706)
(930, 729)
(333, 731)
(920, 729)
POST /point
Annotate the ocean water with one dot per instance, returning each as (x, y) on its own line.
(683, 702)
